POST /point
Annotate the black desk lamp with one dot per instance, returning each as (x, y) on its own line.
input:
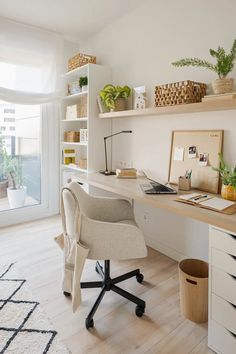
(107, 172)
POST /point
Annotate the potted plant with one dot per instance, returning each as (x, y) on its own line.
(83, 83)
(17, 192)
(224, 65)
(228, 177)
(115, 97)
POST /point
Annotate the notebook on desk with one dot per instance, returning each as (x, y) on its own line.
(208, 201)
(155, 185)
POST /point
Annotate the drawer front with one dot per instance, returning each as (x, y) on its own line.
(224, 261)
(224, 313)
(220, 339)
(224, 241)
(223, 284)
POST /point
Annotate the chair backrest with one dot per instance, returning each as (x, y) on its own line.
(74, 200)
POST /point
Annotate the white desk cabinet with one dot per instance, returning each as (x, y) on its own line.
(222, 291)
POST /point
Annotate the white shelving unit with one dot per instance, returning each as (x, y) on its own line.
(93, 150)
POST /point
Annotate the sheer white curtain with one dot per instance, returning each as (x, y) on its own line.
(36, 59)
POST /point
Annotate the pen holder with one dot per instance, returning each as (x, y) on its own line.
(184, 183)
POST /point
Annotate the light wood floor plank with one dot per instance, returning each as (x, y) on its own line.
(117, 330)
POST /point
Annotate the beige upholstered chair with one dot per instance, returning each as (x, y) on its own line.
(107, 230)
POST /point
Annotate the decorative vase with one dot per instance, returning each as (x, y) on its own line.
(120, 104)
(16, 197)
(228, 192)
(223, 86)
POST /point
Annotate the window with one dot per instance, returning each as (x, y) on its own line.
(20, 153)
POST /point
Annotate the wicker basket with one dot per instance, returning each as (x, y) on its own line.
(72, 137)
(80, 60)
(179, 93)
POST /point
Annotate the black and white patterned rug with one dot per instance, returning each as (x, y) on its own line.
(24, 328)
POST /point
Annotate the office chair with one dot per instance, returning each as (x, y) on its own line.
(108, 229)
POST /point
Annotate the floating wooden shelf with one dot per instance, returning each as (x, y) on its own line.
(213, 105)
(74, 143)
(75, 120)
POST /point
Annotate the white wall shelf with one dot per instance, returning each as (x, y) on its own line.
(74, 143)
(75, 120)
(75, 95)
(74, 168)
(213, 105)
(93, 150)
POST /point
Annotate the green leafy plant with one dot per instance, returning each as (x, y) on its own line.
(224, 62)
(13, 168)
(110, 94)
(227, 174)
(83, 81)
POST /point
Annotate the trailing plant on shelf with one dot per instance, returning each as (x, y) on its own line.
(115, 97)
(224, 65)
(228, 178)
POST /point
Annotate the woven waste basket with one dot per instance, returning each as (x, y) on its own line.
(193, 276)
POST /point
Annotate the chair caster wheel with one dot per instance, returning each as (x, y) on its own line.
(89, 323)
(139, 278)
(66, 293)
(139, 311)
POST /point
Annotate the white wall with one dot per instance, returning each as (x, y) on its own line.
(140, 48)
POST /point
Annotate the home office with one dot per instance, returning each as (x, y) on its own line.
(142, 272)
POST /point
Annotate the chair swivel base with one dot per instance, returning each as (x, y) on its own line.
(108, 284)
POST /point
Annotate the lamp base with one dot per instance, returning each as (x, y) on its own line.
(107, 173)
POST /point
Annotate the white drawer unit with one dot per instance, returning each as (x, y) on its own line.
(220, 339)
(224, 261)
(222, 291)
(223, 285)
(224, 313)
(224, 241)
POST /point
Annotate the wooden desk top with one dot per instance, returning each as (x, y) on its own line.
(130, 188)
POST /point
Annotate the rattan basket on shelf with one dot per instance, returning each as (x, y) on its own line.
(179, 93)
(80, 60)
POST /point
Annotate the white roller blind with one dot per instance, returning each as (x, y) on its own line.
(35, 59)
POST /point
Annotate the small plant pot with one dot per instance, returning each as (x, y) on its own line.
(223, 86)
(228, 192)
(3, 188)
(120, 105)
(84, 88)
(16, 197)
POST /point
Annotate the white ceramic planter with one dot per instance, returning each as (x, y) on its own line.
(85, 88)
(16, 197)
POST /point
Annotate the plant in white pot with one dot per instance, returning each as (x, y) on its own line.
(17, 192)
(83, 83)
(224, 65)
(115, 97)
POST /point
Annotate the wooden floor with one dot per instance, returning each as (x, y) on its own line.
(117, 329)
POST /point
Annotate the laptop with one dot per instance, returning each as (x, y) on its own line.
(155, 186)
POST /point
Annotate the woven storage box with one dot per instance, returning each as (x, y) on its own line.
(179, 93)
(80, 60)
(71, 137)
